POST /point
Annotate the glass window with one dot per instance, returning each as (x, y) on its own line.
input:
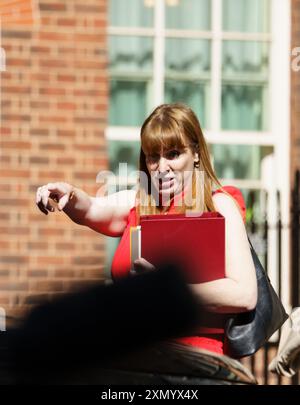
(243, 107)
(130, 54)
(192, 93)
(245, 66)
(239, 161)
(247, 57)
(187, 75)
(187, 55)
(124, 152)
(130, 13)
(130, 61)
(188, 14)
(246, 15)
(127, 106)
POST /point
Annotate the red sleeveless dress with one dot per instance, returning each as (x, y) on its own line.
(120, 267)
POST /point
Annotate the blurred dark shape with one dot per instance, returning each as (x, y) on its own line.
(103, 322)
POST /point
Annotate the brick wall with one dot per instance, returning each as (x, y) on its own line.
(54, 111)
(295, 93)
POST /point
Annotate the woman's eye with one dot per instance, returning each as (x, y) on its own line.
(172, 154)
(152, 158)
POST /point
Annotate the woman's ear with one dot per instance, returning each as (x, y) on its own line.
(196, 157)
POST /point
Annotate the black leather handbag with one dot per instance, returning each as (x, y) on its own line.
(247, 332)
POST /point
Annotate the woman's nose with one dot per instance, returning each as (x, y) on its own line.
(163, 165)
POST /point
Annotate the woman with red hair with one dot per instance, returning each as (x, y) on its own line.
(176, 176)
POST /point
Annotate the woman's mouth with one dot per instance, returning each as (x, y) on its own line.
(166, 184)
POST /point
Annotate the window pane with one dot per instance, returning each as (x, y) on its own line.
(130, 61)
(243, 107)
(187, 55)
(246, 15)
(130, 54)
(239, 161)
(123, 152)
(188, 14)
(135, 14)
(127, 102)
(245, 57)
(191, 93)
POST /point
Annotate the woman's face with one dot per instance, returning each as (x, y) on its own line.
(171, 170)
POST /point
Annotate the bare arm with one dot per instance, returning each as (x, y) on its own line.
(238, 291)
(107, 215)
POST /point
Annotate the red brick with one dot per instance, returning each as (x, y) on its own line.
(10, 62)
(16, 90)
(66, 161)
(44, 260)
(4, 300)
(12, 230)
(52, 146)
(39, 160)
(38, 105)
(37, 245)
(48, 285)
(23, 35)
(65, 246)
(54, 36)
(44, 175)
(39, 132)
(58, 6)
(68, 22)
(37, 273)
(15, 145)
(93, 9)
(51, 232)
(13, 286)
(40, 49)
(13, 259)
(60, 77)
(67, 106)
(64, 273)
(5, 159)
(53, 119)
(5, 131)
(4, 245)
(14, 173)
(90, 260)
(52, 91)
(4, 216)
(66, 78)
(40, 77)
(54, 63)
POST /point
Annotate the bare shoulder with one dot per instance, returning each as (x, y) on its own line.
(226, 205)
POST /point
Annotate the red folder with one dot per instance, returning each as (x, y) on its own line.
(195, 243)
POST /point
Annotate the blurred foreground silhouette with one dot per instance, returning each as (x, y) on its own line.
(101, 323)
(116, 334)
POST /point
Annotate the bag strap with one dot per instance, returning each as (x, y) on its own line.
(256, 260)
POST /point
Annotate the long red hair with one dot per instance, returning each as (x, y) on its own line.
(172, 126)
